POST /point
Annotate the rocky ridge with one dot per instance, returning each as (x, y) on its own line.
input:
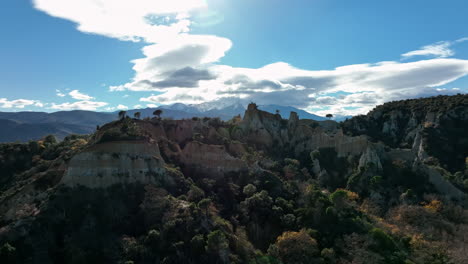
(369, 155)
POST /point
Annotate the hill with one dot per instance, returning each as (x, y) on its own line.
(76, 117)
(13, 131)
(439, 124)
(256, 189)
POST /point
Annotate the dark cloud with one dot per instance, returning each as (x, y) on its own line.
(296, 98)
(316, 83)
(187, 77)
(181, 57)
(178, 97)
(247, 85)
(326, 100)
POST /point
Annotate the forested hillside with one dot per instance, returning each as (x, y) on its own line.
(388, 187)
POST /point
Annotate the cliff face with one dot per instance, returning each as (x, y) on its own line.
(408, 128)
(213, 160)
(270, 132)
(433, 127)
(106, 164)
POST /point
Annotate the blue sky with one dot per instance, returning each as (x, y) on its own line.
(323, 56)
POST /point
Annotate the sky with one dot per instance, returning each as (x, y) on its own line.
(324, 56)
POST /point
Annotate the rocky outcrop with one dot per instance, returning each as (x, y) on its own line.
(432, 127)
(306, 139)
(211, 160)
(300, 136)
(110, 163)
(262, 129)
(438, 181)
(370, 158)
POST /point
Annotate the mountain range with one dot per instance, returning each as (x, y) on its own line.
(24, 126)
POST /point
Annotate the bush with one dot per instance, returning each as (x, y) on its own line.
(382, 241)
(195, 194)
(249, 190)
(7, 254)
(295, 247)
(216, 241)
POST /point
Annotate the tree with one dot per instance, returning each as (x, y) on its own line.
(158, 113)
(197, 245)
(195, 194)
(216, 241)
(7, 254)
(205, 205)
(137, 115)
(218, 245)
(277, 111)
(50, 139)
(122, 114)
(295, 247)
(249, 190)
(329, 116)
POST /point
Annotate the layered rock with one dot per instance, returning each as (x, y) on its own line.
(213, 160)
(110, 163)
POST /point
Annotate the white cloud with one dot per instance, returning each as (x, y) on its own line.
(122, 107)
(19, 103)
(164, 63)
(138, 106)
(441, 49)
(185, 68)
(39, 104)
(110, 108)
(460, 40)
(280, 83)
(80, 105)
(125, 20)
(75, 94)
(59, 93)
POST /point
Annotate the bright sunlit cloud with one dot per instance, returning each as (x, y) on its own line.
(180, 66)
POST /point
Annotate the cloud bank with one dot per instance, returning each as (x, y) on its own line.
(184, 67)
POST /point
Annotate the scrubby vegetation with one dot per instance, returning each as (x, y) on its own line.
(284, 210)
(442, 121)
(277, 217)
(35, 156)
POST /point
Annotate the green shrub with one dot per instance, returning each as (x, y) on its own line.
(216, 241)
(382, 241)
(249, 190)
(8, 254)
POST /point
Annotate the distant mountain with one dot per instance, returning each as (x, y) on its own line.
(284, 111)
(15, 131)
(24, 126)
(76, 117)
(341, 118)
